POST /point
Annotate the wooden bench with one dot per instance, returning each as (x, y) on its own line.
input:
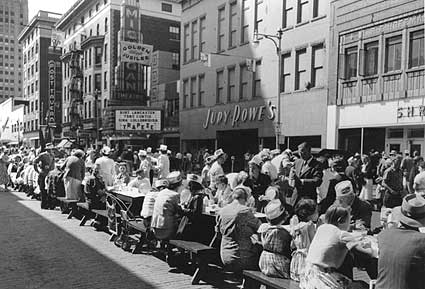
(254, 279)
(200, 254)
(87, 213)
(138, 226)
(66, 205)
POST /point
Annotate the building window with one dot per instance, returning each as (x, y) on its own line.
(300, 69)
(105, 53)
(36, 66)
(317, 64)
(192, 90)
(233, 24)
(371, 58)
(258, 16)
(288, 15)
(175, 60)
(97, 82)
(302, 11)
(416, 49)
(166, 7)
(319, 8)
(106, 25)
(105, 80)
(89, 109)
(185, 92)
(350, 62)
(32, 106)
(85, 110)
(85, 84)
(89, 54)
(98, 55)
(221, 28)
(257, 80)
(202, 29)
(245, 22)
(186, 43)
(97, 7)
(36, 85)
(243, 85)
(286, 72)
(220, 86)
(393, 54)
(231, 84)
(97, 29)
(201, 89)
(89, 84)
(85, 59)
(174, 32)
(36, 104)
(90, 12)
(195, 40)
(82, 20)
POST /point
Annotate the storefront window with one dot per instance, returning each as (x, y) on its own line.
(416, 133)
(395, 133)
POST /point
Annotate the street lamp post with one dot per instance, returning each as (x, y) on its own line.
(277, 41)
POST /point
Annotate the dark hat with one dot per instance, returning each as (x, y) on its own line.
(412, 211)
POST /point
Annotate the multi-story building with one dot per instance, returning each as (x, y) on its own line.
(13, 17)
(42, 78)
(230, 98)
(103, 91)
(11, 121)
(377, 76)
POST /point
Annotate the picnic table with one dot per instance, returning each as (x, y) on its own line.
(131, 197)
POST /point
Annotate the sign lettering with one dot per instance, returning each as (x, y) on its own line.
(138, 120)
(52, 93)
(135, 52)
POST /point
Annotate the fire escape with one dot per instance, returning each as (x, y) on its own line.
(76, 92)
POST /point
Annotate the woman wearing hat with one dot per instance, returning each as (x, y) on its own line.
(276, 240)
(74, 173)
(216, 168)
(257, 181)
(106, 166)
(205, 171)
(193, 208)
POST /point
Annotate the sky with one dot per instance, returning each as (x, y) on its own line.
(58, 6)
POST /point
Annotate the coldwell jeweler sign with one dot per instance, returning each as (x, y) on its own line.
(138, 120)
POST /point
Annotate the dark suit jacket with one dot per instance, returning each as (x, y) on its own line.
(331, 195)
(310, 176)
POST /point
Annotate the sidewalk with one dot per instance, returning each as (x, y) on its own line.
(42, 249)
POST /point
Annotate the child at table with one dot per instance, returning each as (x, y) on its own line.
(122, 178)
(276, 240)
(223, 196)
(302, 229)
(141, 182)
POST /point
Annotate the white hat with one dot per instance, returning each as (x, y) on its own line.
(265, 154)
(194, 178)
(218, 153)
(49, 145)
(271, 193)
(143, 153)
(163, 148)
(256, 160)
(168, 152)
(161, 183)
(106, 150)
(149, 150)
(174, 177)
(274, 209)
(344, 189)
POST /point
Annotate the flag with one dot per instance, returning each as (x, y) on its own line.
(206, 59)
(250, 64)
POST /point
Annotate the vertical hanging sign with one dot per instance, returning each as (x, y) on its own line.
(52, 93)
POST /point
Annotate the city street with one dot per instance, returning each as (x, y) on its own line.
(42, 249)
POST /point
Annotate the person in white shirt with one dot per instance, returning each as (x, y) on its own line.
(145, 164)
(106, 167)
(216, 168)
(268, 168)
(142, 183)
(163, 165)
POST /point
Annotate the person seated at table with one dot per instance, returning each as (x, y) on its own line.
(123, 177)
(141, 182)
(166, 208)
(276, 240)
(223, 196)
(236, 224)
(257, 181)
(95, 190)
(401, 262)
(328, 263)
(193, 209)
(302, 229)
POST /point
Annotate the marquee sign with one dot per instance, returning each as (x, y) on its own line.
(52, 93)
(138, 120)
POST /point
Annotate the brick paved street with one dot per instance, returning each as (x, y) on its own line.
(42, 249)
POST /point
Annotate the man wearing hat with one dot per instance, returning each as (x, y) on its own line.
(166, 208)
(43, 164)
(216, 168)
(257, 181)
(206, 169)
(145, 165)
(392, 181)
(149, 201)
(361, 211)
(401, 263)
(106, 166)
(163, 166)
(308, 173)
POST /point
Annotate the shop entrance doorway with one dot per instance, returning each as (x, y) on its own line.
(236, 143)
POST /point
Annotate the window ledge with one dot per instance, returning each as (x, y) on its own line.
(301, 24)
(317, 18)
(231, 47)
(391, 73)
(349, 80)
(244, 43)
(288, 28)
(370, 77)
(414, 69)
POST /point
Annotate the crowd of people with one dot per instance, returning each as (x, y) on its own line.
(318, 209)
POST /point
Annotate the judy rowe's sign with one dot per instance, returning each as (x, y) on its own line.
(239, 114)
(135, 52)
(138, 120)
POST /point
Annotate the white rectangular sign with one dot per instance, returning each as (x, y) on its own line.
(138, 120)
(135, 52)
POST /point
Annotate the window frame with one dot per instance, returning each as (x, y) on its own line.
(221, 24)
(315, 68)
(219, 88)
(298, 72)
(411, 35)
